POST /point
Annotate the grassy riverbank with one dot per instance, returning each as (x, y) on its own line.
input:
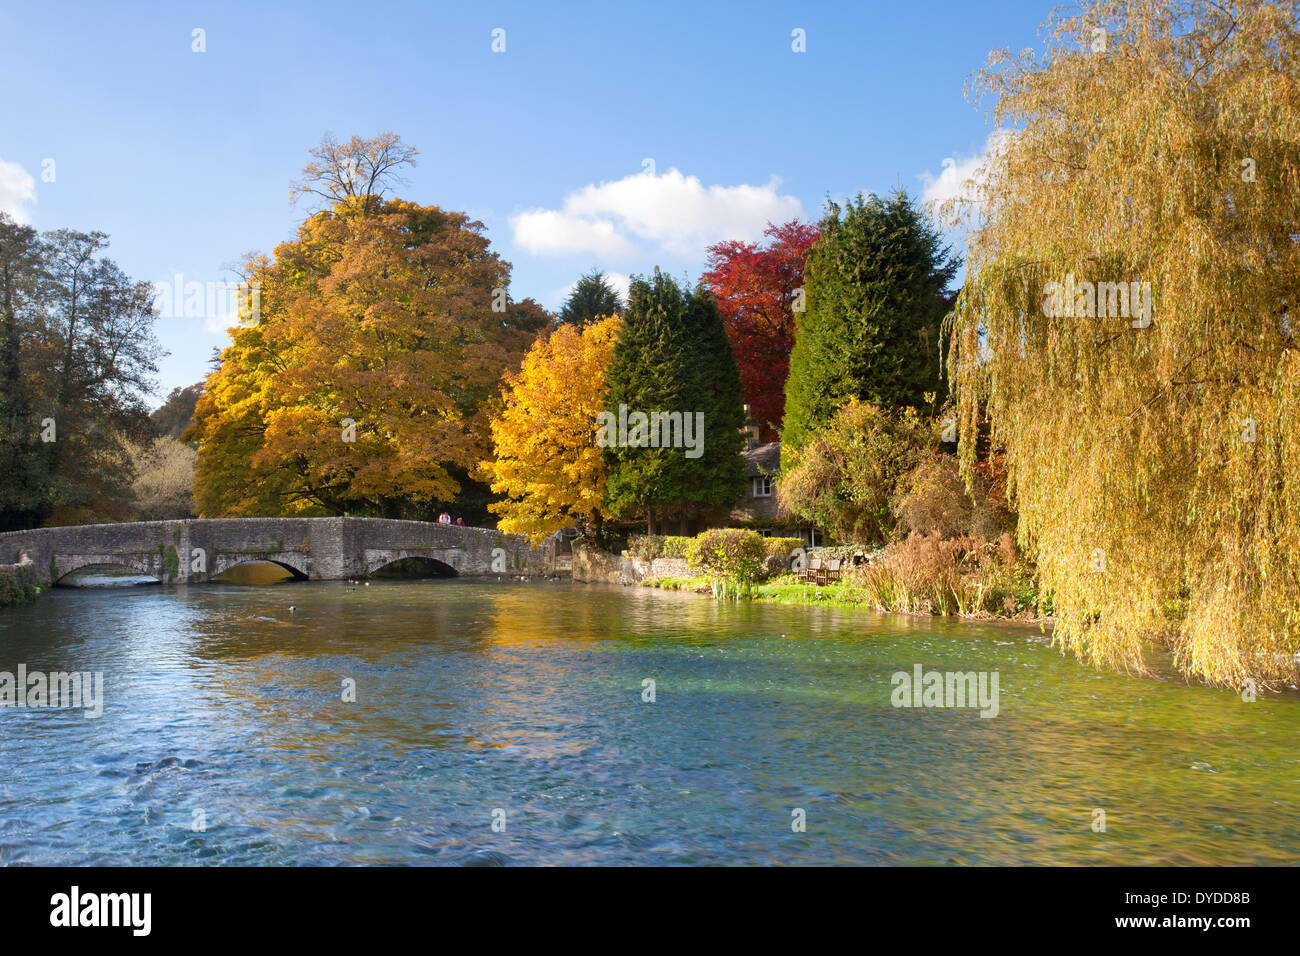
(787, 589)
(927, 575)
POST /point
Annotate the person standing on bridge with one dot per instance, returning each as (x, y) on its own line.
(459, 521)
(444, 518)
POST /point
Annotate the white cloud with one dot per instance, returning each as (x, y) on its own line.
(620, 283)
(549, 232)
(963, 176)
(17, 191)
(671, 214)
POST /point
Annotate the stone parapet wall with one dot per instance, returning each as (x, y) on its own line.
(323, 549)
(592, 565)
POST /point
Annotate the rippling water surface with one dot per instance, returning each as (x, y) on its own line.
(224, 707)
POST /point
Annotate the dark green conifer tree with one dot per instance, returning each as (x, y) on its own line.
(877, 287)
(672, 355)
(592, 297)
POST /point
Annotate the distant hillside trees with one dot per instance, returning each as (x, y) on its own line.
(176, 413)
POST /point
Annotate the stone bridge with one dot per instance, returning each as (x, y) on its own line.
(316, 549)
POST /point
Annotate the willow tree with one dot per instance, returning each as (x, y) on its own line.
(1128, 322)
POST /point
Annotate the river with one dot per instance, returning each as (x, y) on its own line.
(505, 723)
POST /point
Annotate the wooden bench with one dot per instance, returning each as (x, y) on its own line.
(821, 573)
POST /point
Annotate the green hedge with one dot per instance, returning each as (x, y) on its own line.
(676, 547)
(780, 547)
(647, 547)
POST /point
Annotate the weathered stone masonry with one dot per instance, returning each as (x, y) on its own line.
(319, 549)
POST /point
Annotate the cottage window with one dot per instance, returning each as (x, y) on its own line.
(761, 487)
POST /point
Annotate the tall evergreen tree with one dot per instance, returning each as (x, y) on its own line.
(877, 285)
(672, 355)
(591, 298)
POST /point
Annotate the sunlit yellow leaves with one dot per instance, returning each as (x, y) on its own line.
(546, 460)
(1126, 441)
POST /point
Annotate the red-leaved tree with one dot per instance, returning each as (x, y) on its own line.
(756, 286)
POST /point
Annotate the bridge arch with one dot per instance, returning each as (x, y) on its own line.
(414, 566)
(115, 565)
(295, 573)
(297, 563)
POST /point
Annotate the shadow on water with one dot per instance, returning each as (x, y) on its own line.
(415, 568)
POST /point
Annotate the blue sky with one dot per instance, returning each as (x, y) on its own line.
(185, 158)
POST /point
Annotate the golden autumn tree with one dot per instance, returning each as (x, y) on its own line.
(546, 460)
(363, 386)
(1129, 323)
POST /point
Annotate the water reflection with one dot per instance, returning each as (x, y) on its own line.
(477, 695)
(256, 574)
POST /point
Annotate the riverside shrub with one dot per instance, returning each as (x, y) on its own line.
(18, 584)
(847, 477)
(731, 557)
(927, 574)
(648, 547)
(780, 547)
(676, 547)
(934, 498)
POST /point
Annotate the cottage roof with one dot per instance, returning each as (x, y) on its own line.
(762, 459)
